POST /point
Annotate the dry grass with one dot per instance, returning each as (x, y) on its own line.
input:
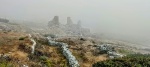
(9, 47)
(17, 46)
(54, 54)
(19, 51)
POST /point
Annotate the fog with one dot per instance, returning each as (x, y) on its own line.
(121, 19)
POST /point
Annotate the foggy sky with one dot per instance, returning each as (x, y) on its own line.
(124, 17)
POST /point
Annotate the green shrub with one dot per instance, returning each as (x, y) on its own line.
(6, 64)
(123, 51)
(44, 58)
(133, 60)
(48, 63)
(21, 38)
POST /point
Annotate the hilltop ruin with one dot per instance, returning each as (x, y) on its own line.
(69, 28)
(54, 22)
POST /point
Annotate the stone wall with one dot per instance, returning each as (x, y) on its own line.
(64, 47)
(54, 22)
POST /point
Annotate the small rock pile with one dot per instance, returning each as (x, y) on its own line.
(107, 48)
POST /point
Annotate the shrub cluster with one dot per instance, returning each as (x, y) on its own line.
(134, 60)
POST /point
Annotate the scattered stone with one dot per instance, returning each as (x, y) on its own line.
(25, 66)
(108, 49)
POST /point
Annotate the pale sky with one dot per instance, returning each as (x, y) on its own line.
(125, 17)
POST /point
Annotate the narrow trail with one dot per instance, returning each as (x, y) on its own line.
(33, 45)
(64, 47)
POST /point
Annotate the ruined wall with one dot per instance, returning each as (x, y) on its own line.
(79, 24)
(70, 28)
(54, 22)
(69, 21)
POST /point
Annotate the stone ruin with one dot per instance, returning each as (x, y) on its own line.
(70, 28)
(69, 21)
(54, 22)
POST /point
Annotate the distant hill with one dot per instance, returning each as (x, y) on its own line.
(4, 20)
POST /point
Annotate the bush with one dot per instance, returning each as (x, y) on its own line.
(123, 51)
(46, 62)
(44, 58)
(133, 60)
(21, 38)
(6, 64)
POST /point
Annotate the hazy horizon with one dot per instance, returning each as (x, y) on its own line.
(128, 18)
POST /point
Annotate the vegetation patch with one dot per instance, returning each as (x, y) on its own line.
(132, 60)
(21, 38)
(123, 51)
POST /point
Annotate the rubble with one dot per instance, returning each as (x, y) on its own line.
(25, 66)
(107, 48)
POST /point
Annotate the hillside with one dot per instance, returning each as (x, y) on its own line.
(23, 47)
(15, 51)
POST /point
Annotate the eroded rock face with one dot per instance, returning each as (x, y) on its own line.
(64, 47)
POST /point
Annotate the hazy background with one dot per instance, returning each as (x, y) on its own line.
(120, 19)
